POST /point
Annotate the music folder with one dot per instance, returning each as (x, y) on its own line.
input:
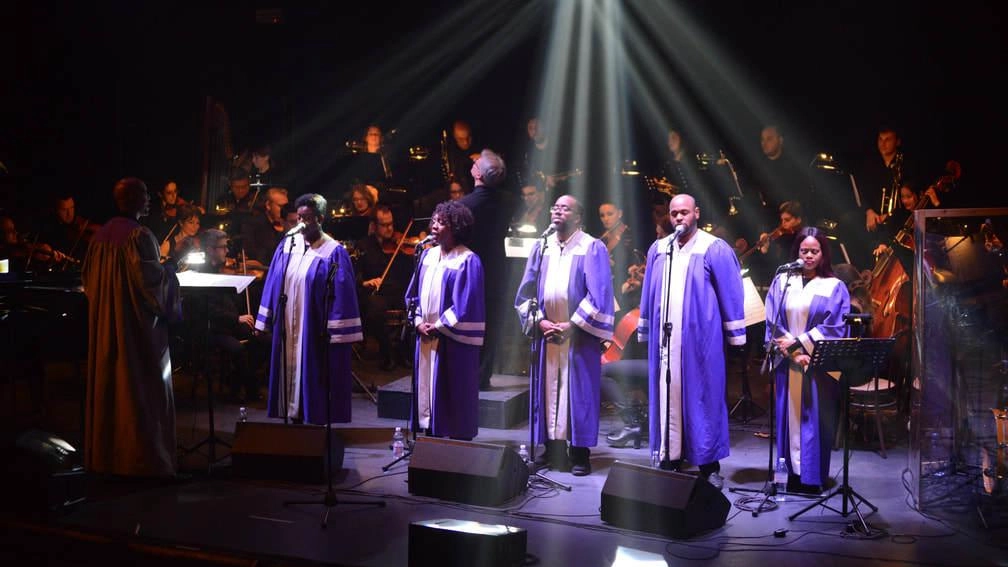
(190, 278)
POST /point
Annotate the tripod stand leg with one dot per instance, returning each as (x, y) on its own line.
(535, 474)
(360, 383)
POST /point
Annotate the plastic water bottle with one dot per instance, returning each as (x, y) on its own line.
(398, 443)
(780, 476)
(243, 414)
(523, 453)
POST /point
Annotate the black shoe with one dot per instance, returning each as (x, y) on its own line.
(556, 455)
(388, 364)
(673, 466)
(625, 437)
(580, 461)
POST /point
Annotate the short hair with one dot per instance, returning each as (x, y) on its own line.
(792, 208)
(128, 194)
(238, 175)
(210, 236)
(273, 191)
(491, 167)
(185, 212)
(825, 269)
(578, 207)
(263, 150)
(458, 217)
(314, 201)
(383, 208)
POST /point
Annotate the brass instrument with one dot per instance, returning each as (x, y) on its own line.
(446, 167)
(890, 195)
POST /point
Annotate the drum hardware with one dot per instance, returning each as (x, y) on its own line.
(418, 153)
(825, 162)
(629, 167)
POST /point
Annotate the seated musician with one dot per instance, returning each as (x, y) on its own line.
(533, 209)
(23, 255)
(164, 210)
(902, 216)
(65, 231)
(263, 231)
(231, 325)
(183, 234)
(236, 206)
(775, 246)
(382, 282)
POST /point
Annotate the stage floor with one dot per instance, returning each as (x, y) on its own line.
(218, 515)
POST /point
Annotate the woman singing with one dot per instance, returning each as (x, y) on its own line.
(808, 305)
(304, 268)
(447, 295)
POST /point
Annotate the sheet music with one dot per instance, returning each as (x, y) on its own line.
(190, 278)
(754, 310)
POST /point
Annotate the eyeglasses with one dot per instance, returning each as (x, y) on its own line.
(560, 208)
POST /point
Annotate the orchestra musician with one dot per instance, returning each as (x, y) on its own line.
(66, 231)
(183, 234)
(22, 255)
(164, 210)
(239, 203)
(460, 155)
(263, 231)
(384, 266)
(532, 210)
(617, 238)
(230, 321)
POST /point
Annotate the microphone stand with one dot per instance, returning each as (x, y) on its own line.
(666, 462)
(282, 312)
(767, 369)
(534, 398)
(411, 310)
(329, 500)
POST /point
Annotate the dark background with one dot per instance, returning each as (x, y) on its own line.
(97, 93)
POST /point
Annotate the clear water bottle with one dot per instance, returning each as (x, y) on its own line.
(780, 475)
(243, 414)
(523, 453)
(398, 443)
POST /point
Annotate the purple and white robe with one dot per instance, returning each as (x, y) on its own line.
(301, 324)
(806, 402)
(703, 299)
(448, 292)
(576, 286)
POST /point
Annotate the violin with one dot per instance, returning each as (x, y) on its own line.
(623, 332)
(773, 235)
(611, 237)
(400, 243)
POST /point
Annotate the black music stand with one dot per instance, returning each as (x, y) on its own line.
(200, 286)
(857, 358)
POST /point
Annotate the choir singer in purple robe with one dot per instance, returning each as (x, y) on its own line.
(691, 307)
(306, 264)
(814, 302)
(575, 314)
(450, 320)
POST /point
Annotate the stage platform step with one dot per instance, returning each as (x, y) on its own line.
(503, 407)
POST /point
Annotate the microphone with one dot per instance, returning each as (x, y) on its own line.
(797, 264)
(549, 230)
(679, 229)
(425, 241)
(298, 228)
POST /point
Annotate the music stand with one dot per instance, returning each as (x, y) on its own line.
(859, 358)
(754, 313)
(200, 286)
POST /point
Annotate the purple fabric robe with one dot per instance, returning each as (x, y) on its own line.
(590, 306)
(712, 315)
(461, 324)
(827, 300)
(343, 326)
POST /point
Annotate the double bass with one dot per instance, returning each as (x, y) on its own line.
(889, 288)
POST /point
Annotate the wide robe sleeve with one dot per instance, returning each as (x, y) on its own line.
(465, 319)
(527, 290)
(594, 313)
(344, 323)
(726, 278)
